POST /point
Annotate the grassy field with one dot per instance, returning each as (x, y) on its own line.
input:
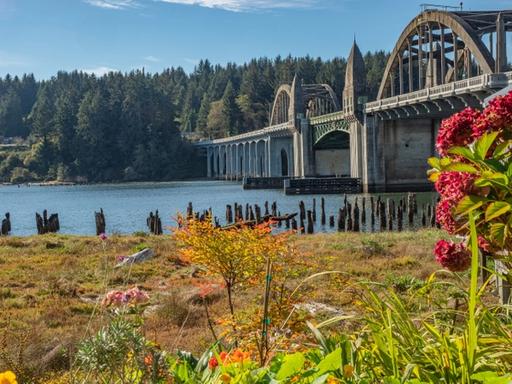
(51, 286)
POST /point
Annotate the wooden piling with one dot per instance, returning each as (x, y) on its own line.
(341, 220)
(154, 223)
(382, 215)
(350, 223)
(356, 226)
(5, 229)
(310, 223)
(363, 211)
(266, 208)
(47, 224)
(331, 221)
(314, 210)
(400, 218)
(99, 218)
(322, 207)
(294, 224)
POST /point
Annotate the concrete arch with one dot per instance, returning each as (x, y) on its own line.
(434, 20)
(281, 106)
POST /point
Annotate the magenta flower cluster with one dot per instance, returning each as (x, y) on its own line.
(131, 296)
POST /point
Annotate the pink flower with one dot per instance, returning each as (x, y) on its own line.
(131, 296)
(452, 256)
(444, 215)
(120, 258)
(496, 117)
(457, 130)
(483, 244)
(454, 186)
(103, 236)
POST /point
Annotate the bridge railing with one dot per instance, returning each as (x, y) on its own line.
(482, 81)
(248, 135)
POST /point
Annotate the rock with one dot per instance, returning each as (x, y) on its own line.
(315, 308)
(138, 257)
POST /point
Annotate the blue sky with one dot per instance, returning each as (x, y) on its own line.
(44, 36)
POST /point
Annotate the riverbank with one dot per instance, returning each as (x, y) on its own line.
(51, 286)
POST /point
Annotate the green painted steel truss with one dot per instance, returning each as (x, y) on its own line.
(320, 130)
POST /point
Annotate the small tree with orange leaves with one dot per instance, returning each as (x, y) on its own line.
(238, 254)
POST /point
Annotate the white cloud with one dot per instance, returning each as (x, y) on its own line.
(247, 5)
(113, 4)
(152, 59)
(99, 71)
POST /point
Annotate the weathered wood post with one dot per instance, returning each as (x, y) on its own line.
(266, 208)
(314, 210)
(390, 215)
(322, 207)
(382, 215)
(190, 211)
(154, 223)
(101, 225)
(350, 223)
(363, 211)
(331, 221)
(356, 227)
(400, 218)
(47, 225)
(310, 222)
(229, 214)
(251, 214)
(410, 208)
(247, 214)
(294, 224)
(274, 209)
(5, 229)
(302, 209)
(341, 220)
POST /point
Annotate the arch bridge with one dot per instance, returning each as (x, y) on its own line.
(442, 63)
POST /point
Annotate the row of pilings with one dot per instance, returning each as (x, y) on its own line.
(363, 214)
(370, 215)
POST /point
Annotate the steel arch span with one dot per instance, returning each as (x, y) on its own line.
(439, 47)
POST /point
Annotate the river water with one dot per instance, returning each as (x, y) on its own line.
(127, 206)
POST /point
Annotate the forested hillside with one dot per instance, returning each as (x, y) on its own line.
(123, 127)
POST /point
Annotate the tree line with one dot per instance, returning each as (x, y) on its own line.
(137, 126)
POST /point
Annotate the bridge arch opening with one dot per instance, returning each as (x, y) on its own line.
(284, 163)
(332, 155)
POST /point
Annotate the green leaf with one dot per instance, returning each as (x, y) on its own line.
(434, 162)
(483, 144)
(460, 167)
(291, 365)
(498, 231)
(492, 378)
(501, 149)
(330, 363)
(469, 203)
(497, 209)
(464, 152)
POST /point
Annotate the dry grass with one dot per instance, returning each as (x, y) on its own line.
(50, 286)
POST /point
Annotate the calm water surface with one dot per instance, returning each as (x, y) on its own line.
(126, 206)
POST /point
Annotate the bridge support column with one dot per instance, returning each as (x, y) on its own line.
(216, 161)
(209, 162)
(356, 150)
(303, 156)
(373, 164)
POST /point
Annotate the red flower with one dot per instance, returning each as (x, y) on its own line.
(452, 256)
(496, 117)
(483, 244)
(454, 185)
(213, 363)
(444, 215)
(456, 130)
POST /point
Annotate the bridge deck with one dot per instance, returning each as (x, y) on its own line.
(480, 83)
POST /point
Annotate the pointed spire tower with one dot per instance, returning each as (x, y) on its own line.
(355, 83)
(296, 102)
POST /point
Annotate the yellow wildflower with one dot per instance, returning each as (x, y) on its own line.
(8, 377)
(348, 371)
